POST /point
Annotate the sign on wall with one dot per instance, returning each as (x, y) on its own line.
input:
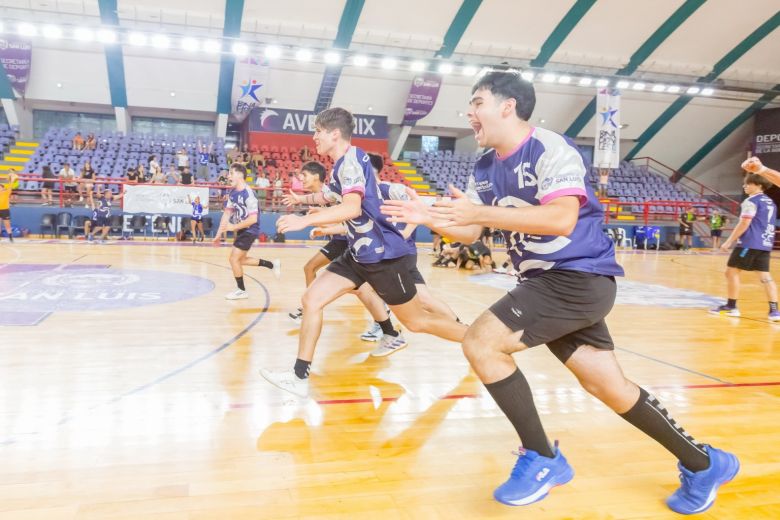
(422, 97)
(283, 121)
(16, 58)
(766, 141)
(606, 152)
(250, 83)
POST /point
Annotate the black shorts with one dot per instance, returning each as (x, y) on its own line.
(411, 264)
(563, 309)
(69, 189)
(716, 233)
(746, 259)
(244, 240)
(391, 279)
(5, 213)
(334, 248)
(48, 185)
(100, 222)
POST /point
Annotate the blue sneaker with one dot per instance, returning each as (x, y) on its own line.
(698, 490)
(533, 477)
(725, 310)
(774, 316)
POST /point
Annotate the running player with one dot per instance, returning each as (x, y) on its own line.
(376, 251)
(531, 184)
(242, 218)
(754, 237)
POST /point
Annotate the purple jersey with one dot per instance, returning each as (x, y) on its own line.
(543, 167)
(371, 237)
(396, 191)
(197, 210)
(762, 213)
(243, 203)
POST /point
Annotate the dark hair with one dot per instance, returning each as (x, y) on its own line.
(336, 119)
(315, 168)
(240, 168)
(758, 180)
(509, 85)
(376, 161)
(46, 168)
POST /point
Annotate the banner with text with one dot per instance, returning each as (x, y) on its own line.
(282, 121)
(422, 97)
(766, 141)
(16, 59)
(162, 199)
(606, 152)
(250, 83)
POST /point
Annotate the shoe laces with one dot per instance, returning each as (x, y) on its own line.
(522, 464)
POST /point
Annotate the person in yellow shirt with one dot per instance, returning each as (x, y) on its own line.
(6, 187)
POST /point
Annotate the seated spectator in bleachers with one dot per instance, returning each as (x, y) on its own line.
(278, 191)
(91, 143)
(182, 159)
(69, 184)
(78, 142)
(87, 184)
(172, 175)
(186, 176)
(603, 182)
(262, 184)
(155, 171)
(143, 176)
(132, 176)
(305, 154)
(295, 183)
(47, 186)
(233, 155)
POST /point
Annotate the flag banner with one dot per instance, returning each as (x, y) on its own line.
(606, 152)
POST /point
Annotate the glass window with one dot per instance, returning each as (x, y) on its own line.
(81, 121)
(160, 126)
(430, 143)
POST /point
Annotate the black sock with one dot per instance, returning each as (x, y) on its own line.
(732, 303)
(772, 306)
(652, 418)
(513, 396)
(302, 368)
(240, 283)
(387, 327)
(266, 264)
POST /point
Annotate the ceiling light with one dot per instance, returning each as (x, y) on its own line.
(240, 49)
(469, 70)
(370, 108)
(602, 82)
(389, 63)
(658, 88)
(542, 120)
(360, 60)
(59, 85)
(190, 44)
(527, 75)
(303, 55)
(103, 35)
(27, 29)
(173, 94)
(548, 78)
(273, 52)
(418, 66)
(585, 82)
(51, 31)
(564, 80)
(445, 68)
(638, 86)
(692, 90)
(332, 58)
(673, 89)
(622, 84)
(137, 39)
(211, 46)
(707, 91)
(160, 41)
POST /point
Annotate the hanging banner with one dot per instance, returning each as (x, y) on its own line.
(606, 152)
(422, 98)
(283, 121)
(250, 84)
(16, 58)
(766, 139)
(163, 199)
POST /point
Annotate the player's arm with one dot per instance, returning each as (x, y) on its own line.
(408, 230)
(347, 210)
(739, 230)
(754, 165)
(311, 199)
(223, 222)
(248, 221)
(333, 229)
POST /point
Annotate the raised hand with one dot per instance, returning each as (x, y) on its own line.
(291, 199)
(290, 223)
(459, 211)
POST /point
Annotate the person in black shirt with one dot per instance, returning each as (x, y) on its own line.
(47, 186)
(133, 176)
(186, 175)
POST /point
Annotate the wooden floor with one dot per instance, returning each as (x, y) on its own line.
(155, 410)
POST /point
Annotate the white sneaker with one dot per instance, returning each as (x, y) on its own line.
(287, 380)
(372, 333)
(388, 345)
(277, 268)
(238, 294)
(500, 270)
(296, 315)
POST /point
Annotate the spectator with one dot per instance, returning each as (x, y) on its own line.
(603, 182)
(186, 176)
(717, 221)
(6, 188)
(278, 190)
(47, 186)
(142, 175)
(87, 183)
(196, 222)
(262, 183)
(132, 176)
(687, 218)
(204, 153)
(172, 173)
(182, 160)
(305, 154)
(155, 171)
(69, 184)
(296, 184)
(78, 142)
(91, 143)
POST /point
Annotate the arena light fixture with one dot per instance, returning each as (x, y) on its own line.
(389, 63)
(418, 66)
(240, 49)
(673, 89)
(52, 32)
(549, 78)
(212, 46)
(272, 52)
(302, 55)
(469, 70)
(83, 34)
(160, 41)
(564, 80)
(658, 88)
(360, 60)
(445, 68)
(602, 82)
(693, 91)
(527, 75)
(27, 29)
(103, 35)
(190, 44)
(137, 39)
(638, 86)
(585, 82)
(332, 58)
(707, 91)
(623, 84)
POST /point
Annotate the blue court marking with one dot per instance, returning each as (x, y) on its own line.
(173, 373)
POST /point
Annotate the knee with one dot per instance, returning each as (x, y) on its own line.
(310, 303)
(415, 324)
(474, 347)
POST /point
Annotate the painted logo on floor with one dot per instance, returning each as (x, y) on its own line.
(30, 292)
(629, 293)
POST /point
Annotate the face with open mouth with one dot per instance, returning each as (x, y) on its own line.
(483, 113)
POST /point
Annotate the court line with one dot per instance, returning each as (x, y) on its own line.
(165, 377)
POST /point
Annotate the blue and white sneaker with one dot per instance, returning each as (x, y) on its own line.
(389, 345)
(725, 310)
(698, 490)
(533, 477)
(774, 316)
(372, 333)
